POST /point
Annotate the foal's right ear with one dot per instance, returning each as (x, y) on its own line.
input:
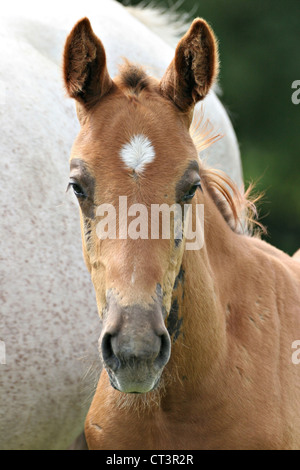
(84, 66)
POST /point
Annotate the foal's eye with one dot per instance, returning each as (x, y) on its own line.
(78, 191)
(192, 191)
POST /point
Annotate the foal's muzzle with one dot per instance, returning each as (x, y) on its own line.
(135, 346)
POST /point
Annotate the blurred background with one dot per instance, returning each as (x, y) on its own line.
(259, 44)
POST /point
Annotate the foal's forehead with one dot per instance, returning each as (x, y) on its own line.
(137, 153)
(138, 131)
(136, 146)
(134, 131)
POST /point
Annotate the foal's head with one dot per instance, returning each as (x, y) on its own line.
(134, 142)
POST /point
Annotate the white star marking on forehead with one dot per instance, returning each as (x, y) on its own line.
(138, 153)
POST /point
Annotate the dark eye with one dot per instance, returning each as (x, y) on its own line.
(78, 191)
(191, 193)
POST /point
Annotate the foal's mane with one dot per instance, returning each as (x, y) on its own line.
(237, 206)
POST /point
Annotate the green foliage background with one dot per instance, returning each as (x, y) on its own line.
(259, 44)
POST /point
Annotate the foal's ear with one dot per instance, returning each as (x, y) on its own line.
(84, 66)
(194, 68)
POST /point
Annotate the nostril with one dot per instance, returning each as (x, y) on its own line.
(108, 355)
(165, 351)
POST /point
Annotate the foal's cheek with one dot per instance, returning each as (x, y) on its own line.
(99, 282)
(171, 274)
(85, 250)
(86, 256)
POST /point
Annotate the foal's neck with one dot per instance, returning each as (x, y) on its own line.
(199, 347)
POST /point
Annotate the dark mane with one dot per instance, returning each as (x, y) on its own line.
(133, 77)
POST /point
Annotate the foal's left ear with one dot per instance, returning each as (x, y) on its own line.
(194, 68)
(84, 66)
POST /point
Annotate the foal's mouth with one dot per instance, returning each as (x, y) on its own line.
(133, 386)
